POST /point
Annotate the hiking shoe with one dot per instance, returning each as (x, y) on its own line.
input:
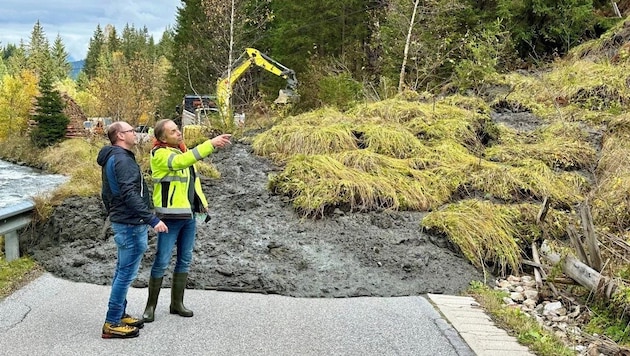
(119, 331)
(131, 321)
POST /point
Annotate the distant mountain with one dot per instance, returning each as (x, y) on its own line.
(76, 68)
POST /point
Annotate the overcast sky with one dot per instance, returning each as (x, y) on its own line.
(75, 21)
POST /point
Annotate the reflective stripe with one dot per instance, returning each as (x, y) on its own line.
(173, 210)
(174, 213)
(169, 163)
(196, 153)
(171, 179)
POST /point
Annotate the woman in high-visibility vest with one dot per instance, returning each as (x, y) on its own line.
(177, 196)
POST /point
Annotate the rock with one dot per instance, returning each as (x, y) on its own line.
(517, 297)
(552, 308)
(530, 304)
(550, 314)
(505, 285)
(514, 279)
(579, 348)
(531, 294)
(561, 324)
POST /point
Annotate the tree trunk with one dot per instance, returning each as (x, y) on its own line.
(401, 80)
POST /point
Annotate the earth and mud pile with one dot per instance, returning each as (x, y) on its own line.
(255, 242)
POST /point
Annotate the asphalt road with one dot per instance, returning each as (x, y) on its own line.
(52, 316)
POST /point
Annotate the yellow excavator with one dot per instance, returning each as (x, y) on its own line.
(253, 57)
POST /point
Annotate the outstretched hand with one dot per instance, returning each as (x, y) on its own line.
(221, 140)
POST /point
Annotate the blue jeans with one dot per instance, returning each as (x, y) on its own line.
(131, 241)
(181, 232)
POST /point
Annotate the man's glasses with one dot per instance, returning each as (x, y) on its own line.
(132, 130)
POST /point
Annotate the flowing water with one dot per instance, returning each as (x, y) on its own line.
(19, 183)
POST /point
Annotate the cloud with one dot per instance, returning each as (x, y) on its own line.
(75, 21)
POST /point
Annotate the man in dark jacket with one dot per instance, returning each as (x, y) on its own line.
(128, 204)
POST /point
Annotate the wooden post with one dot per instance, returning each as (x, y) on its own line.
(594, 255)
(577, 244)
(543, 211)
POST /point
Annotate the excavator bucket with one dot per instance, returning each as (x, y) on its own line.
(286, 96)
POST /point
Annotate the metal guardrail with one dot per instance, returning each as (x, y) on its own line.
(13, 218)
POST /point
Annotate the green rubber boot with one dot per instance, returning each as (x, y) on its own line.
(177, 295)
(154, 291)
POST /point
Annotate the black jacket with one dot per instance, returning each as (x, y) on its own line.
(125, 193)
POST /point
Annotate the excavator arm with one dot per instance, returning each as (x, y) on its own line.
(253, 57)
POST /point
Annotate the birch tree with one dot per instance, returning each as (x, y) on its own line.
(401, 79)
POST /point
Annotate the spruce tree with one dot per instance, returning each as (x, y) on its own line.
(38, 51)
(60, 66)
(97, 44)
(165, 46)
(51, 121)
(113, 42)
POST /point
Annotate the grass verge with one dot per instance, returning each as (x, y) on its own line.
(16, 274)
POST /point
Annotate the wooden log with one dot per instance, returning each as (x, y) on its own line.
(594, 255)
(577, 244)
(581, 273)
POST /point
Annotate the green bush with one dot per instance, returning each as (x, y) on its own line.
(339, 90)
